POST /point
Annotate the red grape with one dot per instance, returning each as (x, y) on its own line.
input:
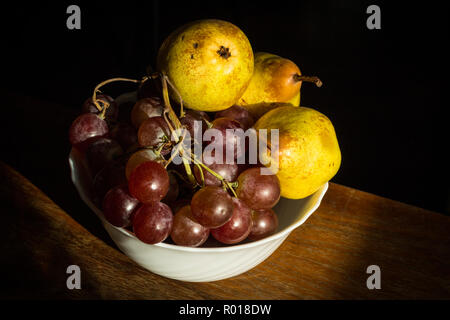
(265, 223)
(149, 182)
(186, 231)
(112, 175)
(233, 142)
(85, 128)
(111, 112)
(194, 118)
(239, 226)
(153, 222)
(258, 191)
(144, 109)
(125, 134)
(138, 158)
(101, 152)
(154, 132)
(174, 190)
(118, 206)
(239, 114)
(212, 206)
(228, 171)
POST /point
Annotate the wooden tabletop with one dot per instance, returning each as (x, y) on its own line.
(325, 258)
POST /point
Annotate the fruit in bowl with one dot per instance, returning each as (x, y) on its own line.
(170, 183)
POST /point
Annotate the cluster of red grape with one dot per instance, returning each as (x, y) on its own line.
(127, 149)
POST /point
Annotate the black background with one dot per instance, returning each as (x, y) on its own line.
(383, 89)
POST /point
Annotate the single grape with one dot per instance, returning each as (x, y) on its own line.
(186, 231)
(125, 134)
(239, 114)
(140, 157)
(118, 206)
(149, 182)
(232, 142)
(144, 109)
(85, 128)
(112, 175)
(228, 171)
(194, 119)
(264, 224)
(101, 152)
(239, 226)
(174, 190)
(152, 222)
(154, 132)
(212, 206)
(112, 111)
(258, 191)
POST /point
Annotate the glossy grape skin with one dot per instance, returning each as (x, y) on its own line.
(112, 175)
(228, 171)
(125, 134)
(85, 128)
(101, 152)
(258, 191)
(238, 227)
(212, 206)
(152, 223)
(112, 112)
(153, 132)
(235, 144)
(138, 158)
(239, 114)
(191, 119)
(265, 223)
(186, 231)
(118, 206)
(144, 109)
(149, 182)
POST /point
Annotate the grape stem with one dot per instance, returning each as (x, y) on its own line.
(179, 96)
(106, 104)
(215, 174)
(177, 150)
(201, 174)
(173, 117)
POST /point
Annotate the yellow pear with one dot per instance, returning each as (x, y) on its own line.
(210, 62)
(275, 79)
(308, 154)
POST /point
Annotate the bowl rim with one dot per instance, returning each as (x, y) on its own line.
(283, 233)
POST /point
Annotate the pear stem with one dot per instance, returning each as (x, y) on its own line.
(312, 79)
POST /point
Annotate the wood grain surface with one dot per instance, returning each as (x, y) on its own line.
(326, 258)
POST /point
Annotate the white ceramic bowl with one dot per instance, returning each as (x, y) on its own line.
(205, 263)
(200, 264)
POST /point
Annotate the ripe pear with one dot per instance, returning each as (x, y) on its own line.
(308, 154)
(210, 62)
(275, 79)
